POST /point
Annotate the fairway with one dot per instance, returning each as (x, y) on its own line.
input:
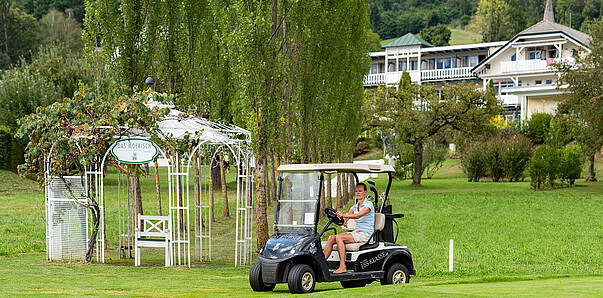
(509, 240)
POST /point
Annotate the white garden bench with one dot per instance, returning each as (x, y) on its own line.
(153, 231)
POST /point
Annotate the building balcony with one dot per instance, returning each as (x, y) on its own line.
(374, 79)
(446, 74)
(527, 66)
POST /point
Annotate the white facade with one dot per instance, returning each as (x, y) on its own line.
(521, 69)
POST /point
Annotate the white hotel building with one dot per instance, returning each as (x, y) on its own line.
(519, 68)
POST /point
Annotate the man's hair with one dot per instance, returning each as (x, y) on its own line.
(361, 184)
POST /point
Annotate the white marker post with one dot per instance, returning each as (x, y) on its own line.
(450, 255)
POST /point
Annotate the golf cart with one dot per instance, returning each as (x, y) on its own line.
(294, 254)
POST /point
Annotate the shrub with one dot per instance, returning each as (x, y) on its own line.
(560, 131)
(473, 161)
(544, 166)
(570, 164)
(362, 147)
(538, 127)
(493, 158)
(516, 155)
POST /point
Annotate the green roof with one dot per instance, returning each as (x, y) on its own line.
(407, 40)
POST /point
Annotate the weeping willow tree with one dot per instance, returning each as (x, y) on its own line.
(289, 71)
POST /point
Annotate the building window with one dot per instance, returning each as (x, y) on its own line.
(391, 67)
(473, 61)
(514, 57)
(401, 65)
(553, 53)
(431, 63)
(538, 82)
(535, 54)
(440, 63)
(549, 82)
(413, 65)
(447, 62)
(375, 68)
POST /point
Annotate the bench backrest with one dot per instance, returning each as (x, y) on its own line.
(154, 226)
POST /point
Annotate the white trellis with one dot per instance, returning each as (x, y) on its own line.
(210, 139)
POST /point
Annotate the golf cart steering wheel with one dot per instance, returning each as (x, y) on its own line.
(332, 214)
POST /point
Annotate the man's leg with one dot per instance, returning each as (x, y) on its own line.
(329, 246)
(341, 240)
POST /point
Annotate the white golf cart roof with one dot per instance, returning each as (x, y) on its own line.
(337, 167)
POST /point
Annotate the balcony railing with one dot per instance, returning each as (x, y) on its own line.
(446, 74)
(530, 65)
(374, 79)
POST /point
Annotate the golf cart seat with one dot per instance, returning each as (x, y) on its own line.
(379, 224)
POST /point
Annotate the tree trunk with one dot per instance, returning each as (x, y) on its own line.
(261, 218)
(591, 169)
(268, 182)
(418, 166)
(157, 187)
(214, 168)
(273, 173)
(225, 211)
(5, 11)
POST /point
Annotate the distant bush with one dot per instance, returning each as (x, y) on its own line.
(473, 161)
(361, 148)
(570, 164)
(516, 156)
(493, 158)
(560, 131)
(497, 158)
(544, 167)
(538, 127)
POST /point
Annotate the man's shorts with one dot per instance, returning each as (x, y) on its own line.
(360, 236)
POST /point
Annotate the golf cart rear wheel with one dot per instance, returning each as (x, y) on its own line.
(301, 279)
(396, 274)
(255, 279)
(353, 283)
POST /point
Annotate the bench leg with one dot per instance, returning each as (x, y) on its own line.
(167, 255)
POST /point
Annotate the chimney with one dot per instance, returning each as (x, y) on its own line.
(549, 14)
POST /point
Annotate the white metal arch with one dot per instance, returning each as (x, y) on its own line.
(244, 207)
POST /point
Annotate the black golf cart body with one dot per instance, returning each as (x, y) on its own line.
(297, 241)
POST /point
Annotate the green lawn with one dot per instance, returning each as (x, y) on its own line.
(509, 240)
(461, 36)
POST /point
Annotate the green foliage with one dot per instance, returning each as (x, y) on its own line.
(493, 158)
(544, 167)
(497, 157)
(58, 29)
(20, 35)
(561, 131)
(39, 8)
(583, 103)
(418, 112)
(434, 155)
(539, 126)
(438, 35)
(570, 164)
(22, 92)
(474, 161)
(498, 20)
(516, 156)
(90, 121)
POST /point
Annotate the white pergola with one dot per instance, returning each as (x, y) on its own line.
(209, 138)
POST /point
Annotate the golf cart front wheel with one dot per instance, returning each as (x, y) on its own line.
(301, 279)
(255, 279)
(396, 274)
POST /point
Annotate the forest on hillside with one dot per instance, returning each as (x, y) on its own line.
(394, 18)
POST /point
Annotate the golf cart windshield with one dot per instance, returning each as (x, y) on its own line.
(297, 200)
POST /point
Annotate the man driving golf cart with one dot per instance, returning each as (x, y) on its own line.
(294, 254)
(364, 214)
